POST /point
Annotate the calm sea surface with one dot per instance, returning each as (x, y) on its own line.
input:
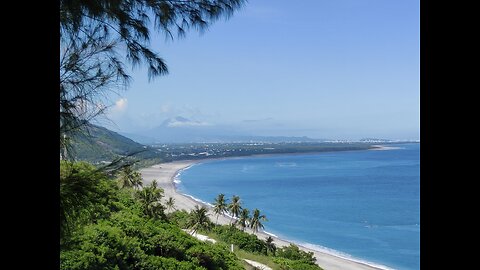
(362, 204)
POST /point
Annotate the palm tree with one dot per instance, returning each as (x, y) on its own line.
(235, 207)
(150, 199)
(170, 204)
(270, 245)
(154, 183)
(198, 219)
(137, 180)
(220, 206)
(130, 178)
(255, 224)
(244, 218)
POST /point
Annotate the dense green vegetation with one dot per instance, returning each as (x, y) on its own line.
(291, 257)
(106, 227)
(110, 223)
(242, 240)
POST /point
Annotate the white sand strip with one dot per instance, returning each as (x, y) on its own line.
(200, 237)
(257, 265)
(383, 147)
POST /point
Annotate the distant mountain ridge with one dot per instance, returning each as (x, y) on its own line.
(98, 144)
(183, 130)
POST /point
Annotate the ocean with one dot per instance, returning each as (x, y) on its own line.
(359, 204)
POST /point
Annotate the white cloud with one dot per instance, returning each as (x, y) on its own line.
(166, 108)
(121, 104)
(118, 110)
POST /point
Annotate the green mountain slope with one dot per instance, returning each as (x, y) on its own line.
(98, 144)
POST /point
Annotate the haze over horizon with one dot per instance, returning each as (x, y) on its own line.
(337, 70)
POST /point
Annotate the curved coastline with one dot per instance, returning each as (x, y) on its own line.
(167, 173)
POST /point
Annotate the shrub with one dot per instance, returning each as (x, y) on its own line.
(287, 264)
(180, 218)
(295, 255)
(213, 257)
(155, 263)
(102, 246)
(243, 240)
(86, 196)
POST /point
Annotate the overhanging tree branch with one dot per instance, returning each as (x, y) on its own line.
(91, 32)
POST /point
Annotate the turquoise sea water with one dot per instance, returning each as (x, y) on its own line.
(363, 204)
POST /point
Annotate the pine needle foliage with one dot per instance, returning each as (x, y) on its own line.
(98, 38)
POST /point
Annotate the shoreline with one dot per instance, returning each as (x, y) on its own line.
(378, 147)
(166, 173)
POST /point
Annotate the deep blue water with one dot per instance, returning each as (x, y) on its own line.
(362, 203)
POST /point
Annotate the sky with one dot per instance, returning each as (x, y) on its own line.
(341, 69)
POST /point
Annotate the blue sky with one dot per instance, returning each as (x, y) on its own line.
(324, 69)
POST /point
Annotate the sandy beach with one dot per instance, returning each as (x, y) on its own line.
(383, 147)
(164, 173)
